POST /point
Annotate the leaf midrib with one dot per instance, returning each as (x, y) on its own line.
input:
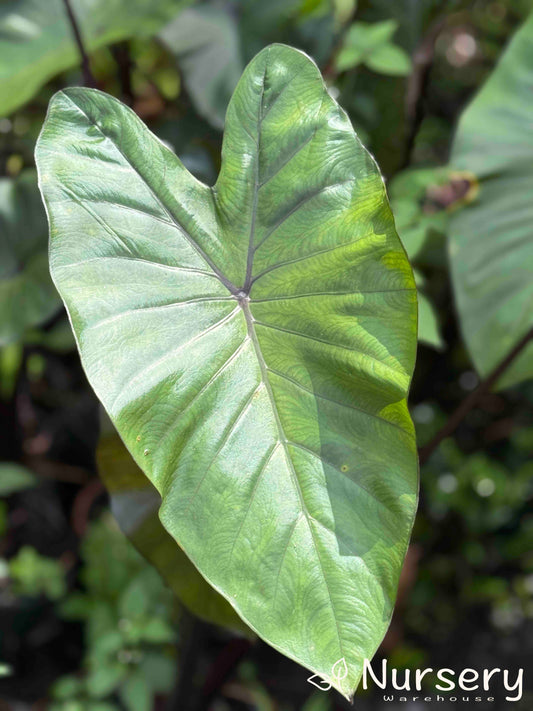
(251, 251)
(284, 443)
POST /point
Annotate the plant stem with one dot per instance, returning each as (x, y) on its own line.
(222, 669)
(417, 87)
(470, 402)
(88, 78)
(121, 54)
(192, 632)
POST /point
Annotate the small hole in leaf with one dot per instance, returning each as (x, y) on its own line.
(344, 468)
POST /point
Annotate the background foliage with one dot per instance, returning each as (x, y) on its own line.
(86, 623)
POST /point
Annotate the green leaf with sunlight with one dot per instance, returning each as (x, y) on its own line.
(135, 503)
(254, 344)
(491, 239)
(27, 294)
(37, 42)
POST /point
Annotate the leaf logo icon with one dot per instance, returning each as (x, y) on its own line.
(319, 683)
(339, 670)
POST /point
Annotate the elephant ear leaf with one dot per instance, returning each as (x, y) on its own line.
(253, 344)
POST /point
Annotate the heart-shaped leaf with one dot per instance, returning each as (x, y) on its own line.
(491, 239)
(253, 343)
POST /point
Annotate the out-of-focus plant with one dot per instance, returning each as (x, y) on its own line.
(372, 45)
(27, 295)
(33, 574)
(128, 616)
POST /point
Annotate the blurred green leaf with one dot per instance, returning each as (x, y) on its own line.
(36, 39)
(318, 702)
(135, 693)
(159, 669)
(491, 239)
(389, 59)
(11, 357)
(27, 295)
(428, 326)
(66, 687)
(33, 574)
(104, 679)
(419, 200)
(59, 338)
(14, 477)
(158, 631)
(133, 601)
(361, 40)
(206, 43)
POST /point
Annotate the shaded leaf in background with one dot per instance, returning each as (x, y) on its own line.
(206, 43)
(27, 294)
(253, 344)
(135, 504)
(36, 40)
(491, 240)
(193, 140)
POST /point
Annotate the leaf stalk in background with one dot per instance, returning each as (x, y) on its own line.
(470, 402)
(88, 78)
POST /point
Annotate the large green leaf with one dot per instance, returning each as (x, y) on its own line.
(135, 503)
(491, 240)
(36, 39)
(253, 343)
(27, 294)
